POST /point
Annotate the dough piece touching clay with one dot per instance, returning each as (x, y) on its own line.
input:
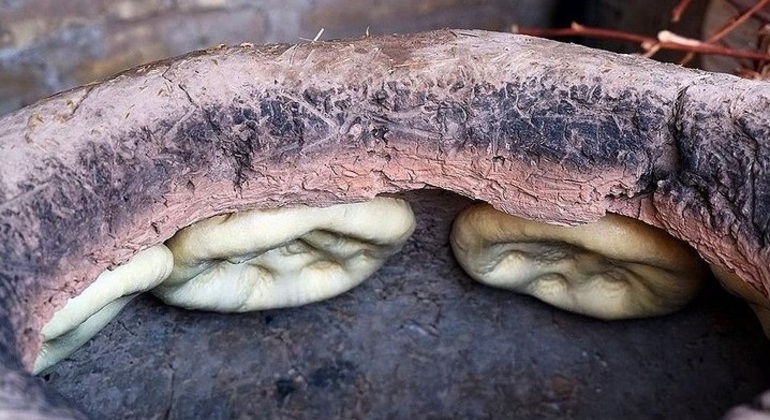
(264, 259)
(614, 268)
(756, 300)
(86, 314)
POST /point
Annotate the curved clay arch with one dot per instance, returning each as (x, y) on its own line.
(539, 129)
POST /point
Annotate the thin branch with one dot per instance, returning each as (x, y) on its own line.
(742, 6)
(577, 29)
(680, 8)
(735, 22)
(728, 27)
(699, 47)
(667, 41)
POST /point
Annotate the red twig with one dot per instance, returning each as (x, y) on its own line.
(735, 22)
(680, 8)
(742, 6)
(649, 44)
(711, 49)
(577, 29)
(728, 27)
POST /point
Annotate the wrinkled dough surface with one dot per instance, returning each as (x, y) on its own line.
(264, 259)
(614, 268)
(86, 314)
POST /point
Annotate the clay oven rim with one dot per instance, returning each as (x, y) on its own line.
(543, 130)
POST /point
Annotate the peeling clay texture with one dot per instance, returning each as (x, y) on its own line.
(542, 130)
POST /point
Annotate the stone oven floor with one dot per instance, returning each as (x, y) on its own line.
(419, 338)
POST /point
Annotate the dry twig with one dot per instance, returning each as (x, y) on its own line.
(665, 41)
(680, 8)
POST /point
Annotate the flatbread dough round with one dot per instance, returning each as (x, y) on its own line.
(614, 268)
(264, 259)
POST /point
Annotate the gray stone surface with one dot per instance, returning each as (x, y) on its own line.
(419, 338)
